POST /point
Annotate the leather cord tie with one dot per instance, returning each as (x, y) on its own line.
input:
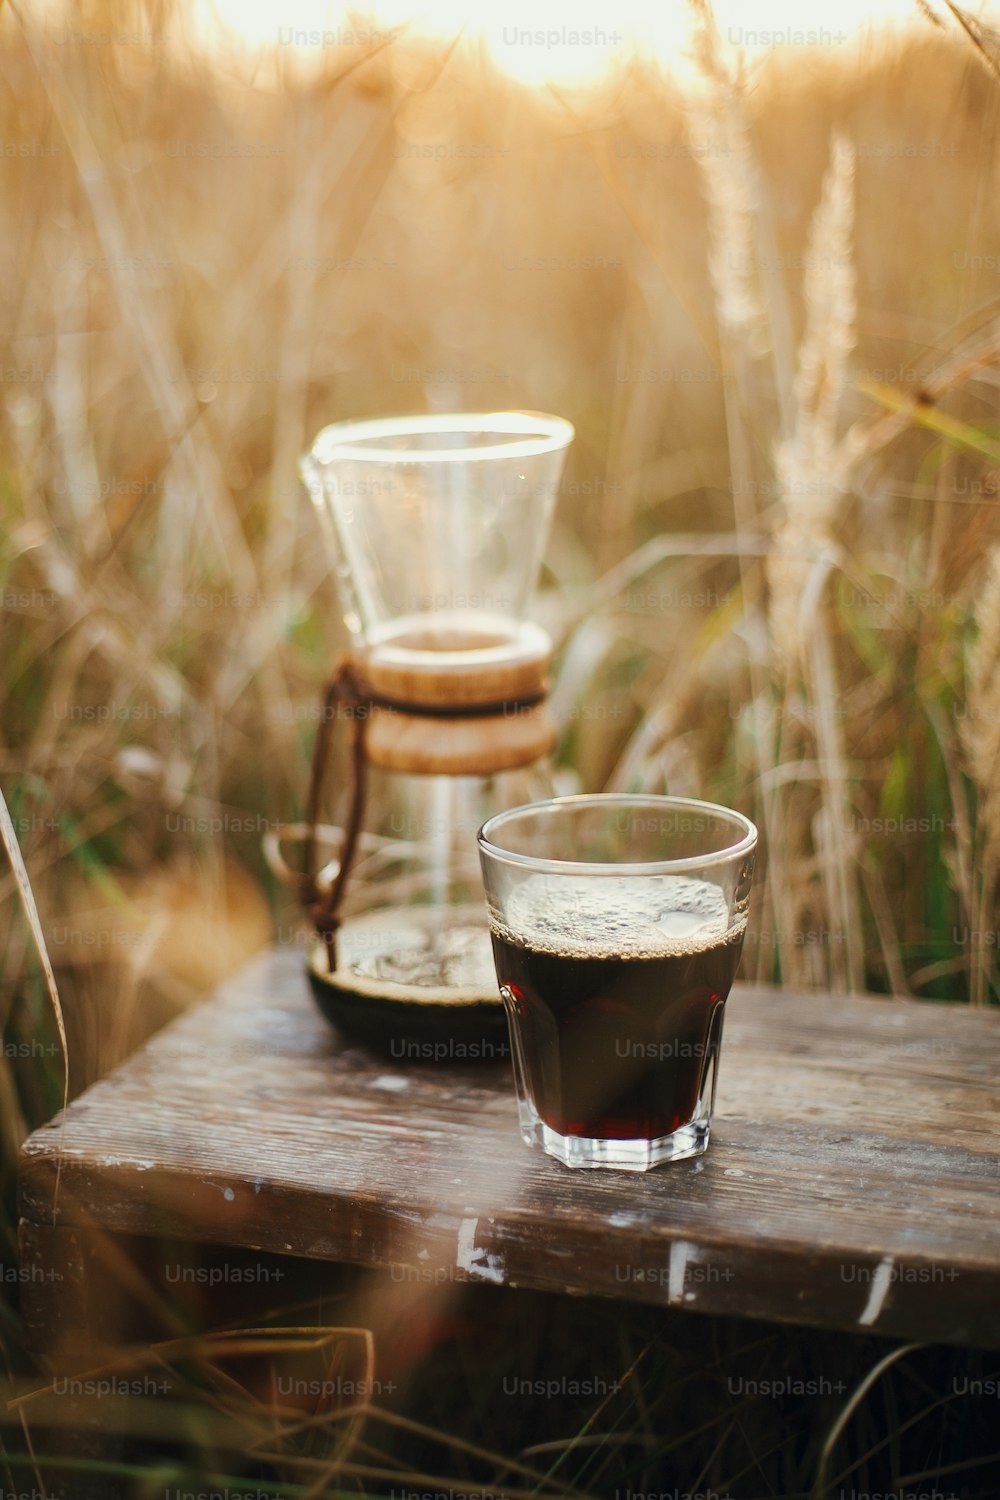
(347, 695)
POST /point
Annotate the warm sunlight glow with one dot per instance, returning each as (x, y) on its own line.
(562, 41)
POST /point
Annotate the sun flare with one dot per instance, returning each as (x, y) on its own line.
(558, 41)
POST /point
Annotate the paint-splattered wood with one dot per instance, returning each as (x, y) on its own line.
(853, 1180)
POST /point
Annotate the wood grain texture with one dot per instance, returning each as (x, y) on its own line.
(446, 670)
(853, 1179)
(482, 745)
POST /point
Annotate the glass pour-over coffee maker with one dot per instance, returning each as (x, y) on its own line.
(438, 711)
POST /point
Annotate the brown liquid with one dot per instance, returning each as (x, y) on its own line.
(617, 1047)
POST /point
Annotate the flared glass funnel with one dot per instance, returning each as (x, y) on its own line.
(439, 524)
(437, 527)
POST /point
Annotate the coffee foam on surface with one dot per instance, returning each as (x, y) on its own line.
(614, 916)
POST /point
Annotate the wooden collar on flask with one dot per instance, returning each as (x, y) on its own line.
(445, 704)
(458, 744)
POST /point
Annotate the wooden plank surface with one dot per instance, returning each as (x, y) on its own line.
(853, 1179)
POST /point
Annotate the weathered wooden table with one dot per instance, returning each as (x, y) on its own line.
(853, 1180)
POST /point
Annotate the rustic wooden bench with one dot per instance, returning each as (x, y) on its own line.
(852, 1182)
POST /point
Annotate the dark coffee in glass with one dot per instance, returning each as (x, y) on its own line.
(615, 975)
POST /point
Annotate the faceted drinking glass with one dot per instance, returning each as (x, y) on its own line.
(617, 925)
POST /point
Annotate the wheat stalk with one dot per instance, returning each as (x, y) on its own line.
(8, 837)
(979, 733)
(720, 133)
(812, 474)
(980, 730)
(811, 465)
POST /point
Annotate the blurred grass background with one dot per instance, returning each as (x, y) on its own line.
(771, 313)
(201, 269)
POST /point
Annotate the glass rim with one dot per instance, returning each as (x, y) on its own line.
(540, 433)
(542, 864)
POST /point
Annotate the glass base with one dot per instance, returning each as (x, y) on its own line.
(623, 1156)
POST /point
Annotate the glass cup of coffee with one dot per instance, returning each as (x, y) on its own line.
(617, 926)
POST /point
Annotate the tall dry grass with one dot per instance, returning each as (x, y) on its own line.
(772, 314)
(769, 547)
